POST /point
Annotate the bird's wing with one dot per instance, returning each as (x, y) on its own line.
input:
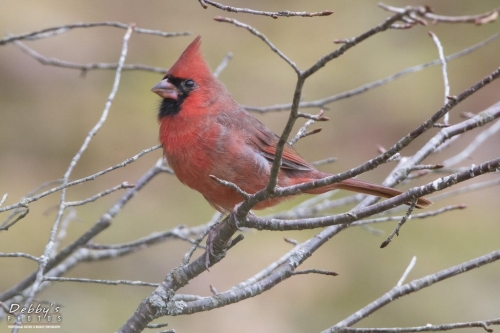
(261, 139)
(291, 159)
(266, 141)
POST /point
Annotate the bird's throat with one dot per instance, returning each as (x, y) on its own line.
(169, 107)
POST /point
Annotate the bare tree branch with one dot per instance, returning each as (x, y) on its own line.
(102, 224)
(446, 118)
(84, 67)
(478, 19)
(366, 87)
(356, 214)
(407, 271)
(28, 199)
(400, 224)
(223, 64)
(93, 198)
(413, 286)
(54, 31)
(98, 281)
(427, 328)
(275, 15)
(20, 255)
(262, 37)
(48, 249)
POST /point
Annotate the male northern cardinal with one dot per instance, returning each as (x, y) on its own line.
(204, 132)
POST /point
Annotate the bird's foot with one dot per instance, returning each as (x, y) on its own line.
(216, 247)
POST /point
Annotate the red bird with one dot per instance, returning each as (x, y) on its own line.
(204, 132)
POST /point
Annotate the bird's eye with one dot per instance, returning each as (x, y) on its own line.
(189, 83)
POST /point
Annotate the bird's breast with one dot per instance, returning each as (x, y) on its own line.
(187, 145)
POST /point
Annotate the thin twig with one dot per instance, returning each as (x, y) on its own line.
(19, 255)
(423, 215)
(302, 131)
(203, 4)
(291, 241)
(407, 271)
(61, 234)
(426, 167)
(108, 282)
(315, 271)
(325, 161)
(213, 290)
(400, 224)
(275, 15)
(427, 328)
(161, 325)
(93, 198)
(233, 186)
(223, 64)
(446, 118)
(54, 31)
(4, 197)
(318, 117)
(156, 237)
(6, 224)
(85, 67)
(262, 37)
(478, 19)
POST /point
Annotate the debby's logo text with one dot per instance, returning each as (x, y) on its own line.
(34, 314)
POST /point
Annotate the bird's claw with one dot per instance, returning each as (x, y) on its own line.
(210, 250)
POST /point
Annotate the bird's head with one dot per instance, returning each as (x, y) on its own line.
(188, 84)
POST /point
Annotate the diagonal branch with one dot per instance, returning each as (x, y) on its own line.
(262, 37)
(413, 286)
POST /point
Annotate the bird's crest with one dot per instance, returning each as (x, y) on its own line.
(191, 64)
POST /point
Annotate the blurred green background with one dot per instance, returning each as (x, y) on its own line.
(46, 112)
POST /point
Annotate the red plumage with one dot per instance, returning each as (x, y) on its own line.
(204, 132)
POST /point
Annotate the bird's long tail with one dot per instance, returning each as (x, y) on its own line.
(360, 186)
